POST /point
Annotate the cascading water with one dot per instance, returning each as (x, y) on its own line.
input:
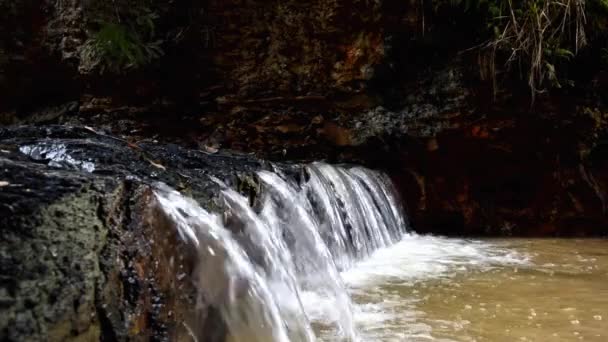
(224, 274)
(275, 263)
(358, 210)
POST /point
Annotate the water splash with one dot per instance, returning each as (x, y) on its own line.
(314, 262)
(358, 208)
(56, 154)
(272, 262)
(266, 248)
(237, 288)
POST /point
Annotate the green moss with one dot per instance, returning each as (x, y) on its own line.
(116, 48)
(120, 41)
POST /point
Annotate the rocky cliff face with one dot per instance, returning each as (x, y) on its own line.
(381, 83)
(508, 175)
(384, 83)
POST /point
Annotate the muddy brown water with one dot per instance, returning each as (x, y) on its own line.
(440, 289)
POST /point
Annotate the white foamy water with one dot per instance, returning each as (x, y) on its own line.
(224, 275)
(271, 262)
(384, 285)
(417, 258)
(327, 259)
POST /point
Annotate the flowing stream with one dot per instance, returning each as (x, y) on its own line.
(330, 259)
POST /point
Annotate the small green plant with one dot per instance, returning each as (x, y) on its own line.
(540, 34)
(126, 43)
(115, 49)
(535, 35)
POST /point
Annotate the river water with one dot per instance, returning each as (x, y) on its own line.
(330, 257)
(441, 289)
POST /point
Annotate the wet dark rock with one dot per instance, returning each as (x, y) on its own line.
(84, 254)
(426, 110)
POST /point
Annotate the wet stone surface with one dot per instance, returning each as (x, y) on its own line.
(84, 255)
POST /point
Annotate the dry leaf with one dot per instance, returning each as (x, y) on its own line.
(90, 129)
(156, 165)
(211, 149)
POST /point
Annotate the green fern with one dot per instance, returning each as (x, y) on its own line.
(119, 47)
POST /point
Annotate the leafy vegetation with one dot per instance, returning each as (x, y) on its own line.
(536, 36)
(123, 39)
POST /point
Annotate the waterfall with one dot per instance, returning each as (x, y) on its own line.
(266, 266)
